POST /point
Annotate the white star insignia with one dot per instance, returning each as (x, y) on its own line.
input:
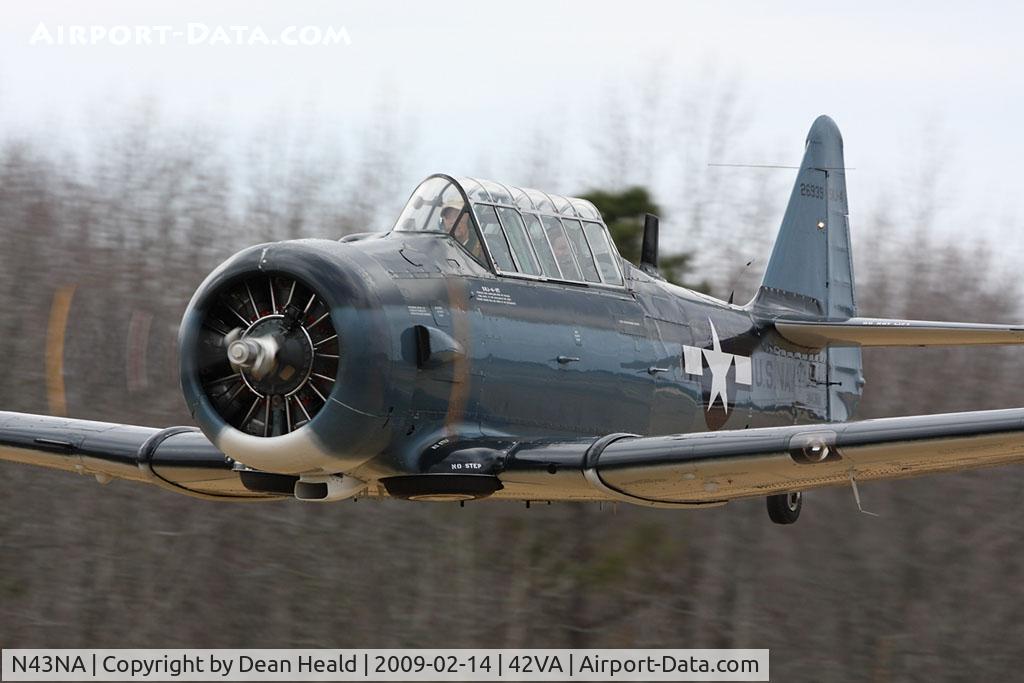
(719, 362)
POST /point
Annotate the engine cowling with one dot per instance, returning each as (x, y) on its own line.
(283, 358)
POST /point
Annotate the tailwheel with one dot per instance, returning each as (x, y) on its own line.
(784, 508)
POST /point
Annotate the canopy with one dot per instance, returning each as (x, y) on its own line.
(517, 231)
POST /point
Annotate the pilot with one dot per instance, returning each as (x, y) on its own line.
(560, 245)
(455, 221)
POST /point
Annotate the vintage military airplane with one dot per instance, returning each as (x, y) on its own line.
(494, 344)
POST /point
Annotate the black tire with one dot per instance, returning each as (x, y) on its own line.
(784, 508)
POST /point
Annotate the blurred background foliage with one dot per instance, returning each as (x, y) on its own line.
(137, 215)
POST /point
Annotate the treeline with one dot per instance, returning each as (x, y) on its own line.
(930, 590)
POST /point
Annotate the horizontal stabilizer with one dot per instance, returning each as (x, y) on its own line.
(891, 332)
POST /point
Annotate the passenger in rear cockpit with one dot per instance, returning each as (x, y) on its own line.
(455, 221)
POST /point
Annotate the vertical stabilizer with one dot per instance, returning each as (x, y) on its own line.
(810, 273)
(811, 257)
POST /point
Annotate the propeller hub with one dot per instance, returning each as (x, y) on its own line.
(276, 360)
(255, 355)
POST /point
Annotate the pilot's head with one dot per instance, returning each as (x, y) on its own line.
(455, 221)
(560, 245)
(449, 213)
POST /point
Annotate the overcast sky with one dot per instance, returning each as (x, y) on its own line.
(891, 74)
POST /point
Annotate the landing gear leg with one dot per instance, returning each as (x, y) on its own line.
(784, 508)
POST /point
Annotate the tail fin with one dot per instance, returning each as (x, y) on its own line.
(811, 271)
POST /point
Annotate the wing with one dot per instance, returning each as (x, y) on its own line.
(679, 471)
(696, 470)
(179, 459)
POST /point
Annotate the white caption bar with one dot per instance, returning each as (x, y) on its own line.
(384, 665)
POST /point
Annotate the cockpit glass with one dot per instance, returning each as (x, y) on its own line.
(517, 230)
(560, 247)
(582, 250)
(541, 201)
(602, 253)
(433, 201)
(499, 193)
(495, 238)
(563, 206)
(542, 246)
(585, 209)
(523, 200)
(475, 190)
(516, 233)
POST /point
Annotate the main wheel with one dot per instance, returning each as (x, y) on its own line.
(784, 508)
